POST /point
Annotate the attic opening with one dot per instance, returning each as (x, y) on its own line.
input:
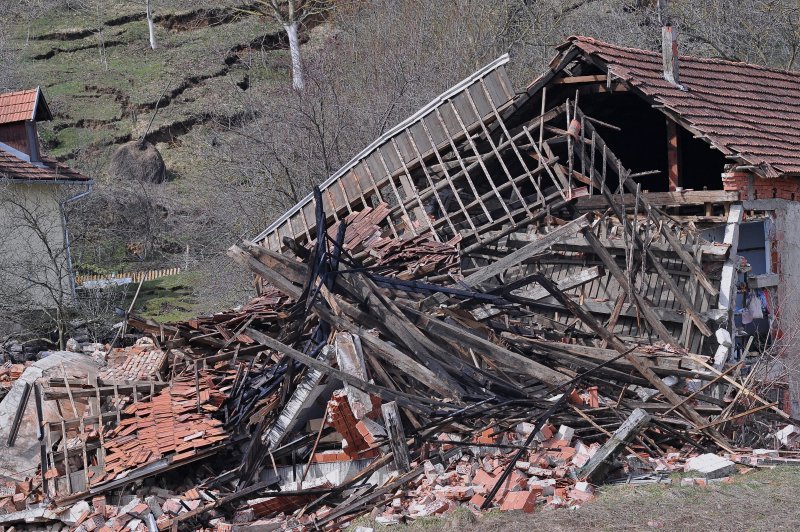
(700, 165)
(642, 144)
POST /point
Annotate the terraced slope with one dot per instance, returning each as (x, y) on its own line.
(103, 81)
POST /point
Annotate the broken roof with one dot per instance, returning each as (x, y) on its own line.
(14, 166)
(745, 111)
(23, 105)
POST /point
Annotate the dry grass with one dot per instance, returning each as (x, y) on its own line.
(759, 500)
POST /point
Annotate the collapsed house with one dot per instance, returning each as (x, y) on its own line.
(502, 302)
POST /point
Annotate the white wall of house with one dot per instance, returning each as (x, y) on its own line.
(34, 262)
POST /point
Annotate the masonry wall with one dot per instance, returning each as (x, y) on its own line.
(753, 187)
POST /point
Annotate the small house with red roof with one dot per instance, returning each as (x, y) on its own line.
(35, 258)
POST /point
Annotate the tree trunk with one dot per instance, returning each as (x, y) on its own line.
(298, 80)
(151, 26)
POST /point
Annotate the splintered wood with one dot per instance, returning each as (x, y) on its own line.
(484, 309)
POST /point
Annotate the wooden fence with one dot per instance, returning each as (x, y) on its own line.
(147, 275)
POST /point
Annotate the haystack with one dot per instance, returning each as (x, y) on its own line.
(138, 161)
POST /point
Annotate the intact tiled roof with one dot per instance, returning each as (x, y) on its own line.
(745, 110)
(12, 167)
(22, 105)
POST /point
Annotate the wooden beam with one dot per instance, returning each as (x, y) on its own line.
(500, 355)
(408, 401)
(599, 465)
(350, 358)
(617, 245)
(396, 435)
(641, 365)
(646, 309)
(512, 259)
(569, 80)
(660, 199)
(653, 213)
(568, 283)
(672, 155)
(280, 282)
(727, 298)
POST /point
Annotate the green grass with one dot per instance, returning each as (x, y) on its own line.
(110, 98)
(168, 299)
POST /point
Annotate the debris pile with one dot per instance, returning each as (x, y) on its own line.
(509, 341)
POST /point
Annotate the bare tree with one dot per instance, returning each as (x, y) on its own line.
(769, 34)
(291, 14)
(6, 60)
(35, 268)
(151, 25)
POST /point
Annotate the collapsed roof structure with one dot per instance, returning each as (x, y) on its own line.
(487, 306)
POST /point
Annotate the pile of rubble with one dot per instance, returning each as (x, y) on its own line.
(509, 342)
(334, 395)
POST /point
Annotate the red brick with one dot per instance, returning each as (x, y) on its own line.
(341, 417)
(331, 456)
(520, 500)
(581, 496)
(456, 493)
(487, 437)
(19, 501)
(482, 478)
(594, 397)
(477, 500)
(514, 481)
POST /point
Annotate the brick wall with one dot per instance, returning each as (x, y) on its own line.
(751, 186)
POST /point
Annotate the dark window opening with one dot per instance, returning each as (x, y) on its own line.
(641, 143)
(700, 165)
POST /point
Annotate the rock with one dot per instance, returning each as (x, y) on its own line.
(73, 346)
(788, 436)
(387, 520)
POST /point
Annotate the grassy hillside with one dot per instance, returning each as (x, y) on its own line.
(103, 81)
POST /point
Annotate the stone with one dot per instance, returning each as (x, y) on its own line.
(388, 520)
(75, 512)
(547, 486)
(73, 346)
(788, 435)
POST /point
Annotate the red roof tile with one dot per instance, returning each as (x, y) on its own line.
(22, 105)
(745, 110)
(12, 167)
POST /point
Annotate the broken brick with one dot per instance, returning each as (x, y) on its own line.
(520, 500)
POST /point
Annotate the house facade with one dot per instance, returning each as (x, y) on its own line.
(35, 263)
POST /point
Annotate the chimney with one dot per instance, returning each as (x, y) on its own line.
(669, 52)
